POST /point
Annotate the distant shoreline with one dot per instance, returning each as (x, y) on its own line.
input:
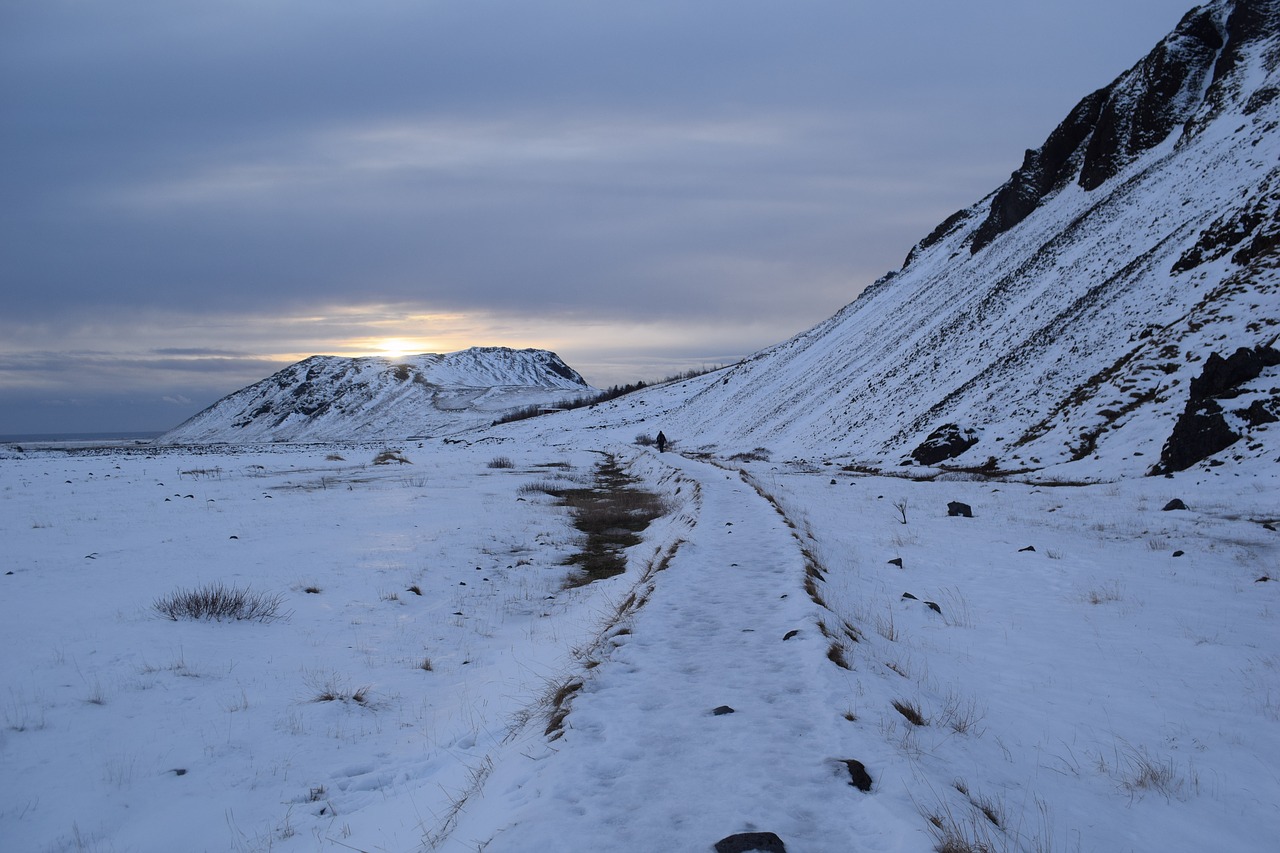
(79, 436)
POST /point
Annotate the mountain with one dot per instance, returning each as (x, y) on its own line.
(1113, 302)
(331, 398)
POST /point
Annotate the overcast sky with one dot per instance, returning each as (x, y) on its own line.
(194, 194)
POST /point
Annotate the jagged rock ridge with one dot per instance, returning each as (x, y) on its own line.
(327, 398)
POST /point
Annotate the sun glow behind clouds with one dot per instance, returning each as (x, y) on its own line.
(159, 358)
(395, 348)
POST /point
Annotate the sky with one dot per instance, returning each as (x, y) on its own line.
(194, 195)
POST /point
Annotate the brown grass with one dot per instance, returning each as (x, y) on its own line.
(910, 712)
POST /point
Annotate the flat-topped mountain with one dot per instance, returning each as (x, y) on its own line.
(328, 398)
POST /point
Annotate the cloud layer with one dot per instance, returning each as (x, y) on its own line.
(192, 194)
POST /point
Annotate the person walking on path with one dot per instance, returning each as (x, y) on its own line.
(662, 442)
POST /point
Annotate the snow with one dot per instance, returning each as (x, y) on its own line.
(1098, 693)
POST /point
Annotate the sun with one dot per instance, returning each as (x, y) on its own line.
(395, 348)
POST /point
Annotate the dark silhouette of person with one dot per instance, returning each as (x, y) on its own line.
(662, 442)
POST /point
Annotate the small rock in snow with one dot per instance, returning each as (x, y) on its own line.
(722, 710)
(766, 842)
(858, 775)
(1176, 503)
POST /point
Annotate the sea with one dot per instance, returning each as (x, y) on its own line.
(76, 441)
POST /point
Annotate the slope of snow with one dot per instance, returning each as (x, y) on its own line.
(331, 398)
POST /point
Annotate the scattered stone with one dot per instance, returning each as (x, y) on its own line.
(722, 710)
(1028, 548)
(179, 771)
(1262, 579)
(1269, 526)
(833, 481)
(909, 596)
(765, 842)
(858, 775)
(1178, 553)
(896, 561)
(934, 607)
(961, 509)
(1176, 503)
(790, 634)
(234, 536)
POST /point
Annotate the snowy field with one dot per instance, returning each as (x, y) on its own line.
(428, 680)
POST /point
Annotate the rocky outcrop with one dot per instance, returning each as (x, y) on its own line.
(1111, 127)
(1202, 429)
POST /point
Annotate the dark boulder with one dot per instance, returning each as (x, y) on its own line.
(1176, 503)
(743, 842)
(896, 561)
(1200, 432)
(722, 710)
(960, 509)
(945, 442)
(1028, 548)
(858, 775)
(933, 605)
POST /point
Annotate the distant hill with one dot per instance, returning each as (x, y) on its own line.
(1115, 300)
(325, 398)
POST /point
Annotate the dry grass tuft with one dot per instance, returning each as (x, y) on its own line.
(910, 712)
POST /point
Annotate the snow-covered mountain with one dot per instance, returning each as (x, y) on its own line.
(1099, 297)
(333, 398)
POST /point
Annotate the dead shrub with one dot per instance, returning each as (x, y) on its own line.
(386, 457)
(218, 601)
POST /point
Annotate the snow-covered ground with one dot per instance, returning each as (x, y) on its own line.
(1097, 693)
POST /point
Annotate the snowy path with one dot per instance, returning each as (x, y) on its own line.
(645, 764)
